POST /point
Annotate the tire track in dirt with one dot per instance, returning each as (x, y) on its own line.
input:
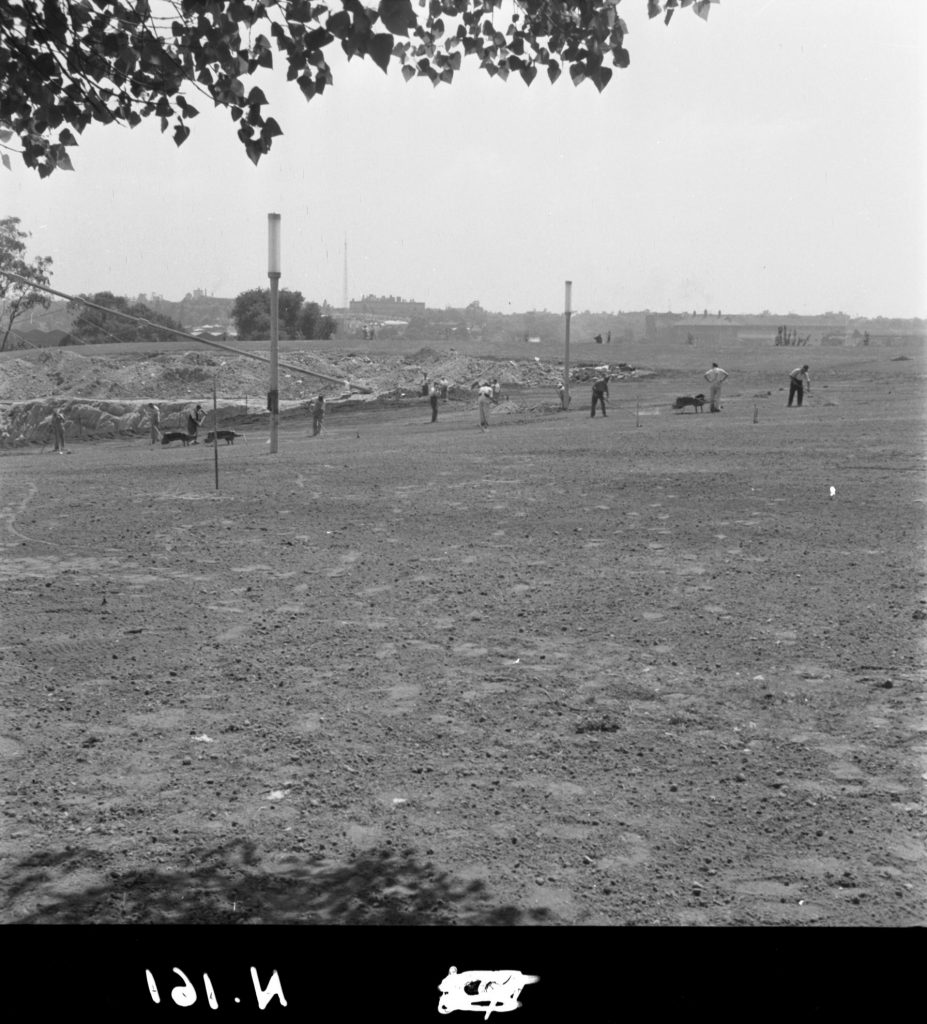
(13, 508)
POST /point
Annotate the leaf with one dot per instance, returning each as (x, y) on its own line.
(340, 24)
(703, 9)
(380, 49)
(271, 129)
(528, 73)
(307, 86)
(256, 98)
(397, 16)
(6, 161)
(56, 23)
(181, 131)
(602, 77)
(653, 8)
(554, 71)
(408, 72)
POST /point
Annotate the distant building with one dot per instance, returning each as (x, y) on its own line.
(759, 330)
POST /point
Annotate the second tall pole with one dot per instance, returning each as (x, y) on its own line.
(273, 272)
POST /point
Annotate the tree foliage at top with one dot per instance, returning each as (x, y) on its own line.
(65, 64)
(17, 298)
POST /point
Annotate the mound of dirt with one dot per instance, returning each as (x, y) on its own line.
(107, 396)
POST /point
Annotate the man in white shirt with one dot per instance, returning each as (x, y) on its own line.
(798, 381)
(484, 396)
(715, 377)
(433, 399)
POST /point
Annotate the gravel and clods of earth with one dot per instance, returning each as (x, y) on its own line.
(658, 668)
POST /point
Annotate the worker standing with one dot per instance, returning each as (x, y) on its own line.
(433, 399)
(318, 415)
(484, 397)
(798, 381)
(57, 422)
(599, 394)
(155, 422)
(715, 377)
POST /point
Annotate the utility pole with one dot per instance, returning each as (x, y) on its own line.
(273, 272)
(566, 355)
(344, 291)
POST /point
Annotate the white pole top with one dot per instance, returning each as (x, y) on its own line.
(569, 289)
(273, 243)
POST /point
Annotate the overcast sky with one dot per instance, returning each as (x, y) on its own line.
(773, 158)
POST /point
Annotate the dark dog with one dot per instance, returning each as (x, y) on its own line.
(176, 435)
(224, 435)
(696, 401)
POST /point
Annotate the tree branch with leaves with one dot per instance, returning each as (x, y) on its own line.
(67, 65)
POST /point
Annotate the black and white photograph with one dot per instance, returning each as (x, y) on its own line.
(329, 596)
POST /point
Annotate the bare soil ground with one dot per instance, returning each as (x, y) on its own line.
(566, 671)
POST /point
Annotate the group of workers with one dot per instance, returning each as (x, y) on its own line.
(192, 422)
(488, 393)
(799, 382)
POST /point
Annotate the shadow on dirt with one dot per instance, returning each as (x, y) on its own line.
(233, 884)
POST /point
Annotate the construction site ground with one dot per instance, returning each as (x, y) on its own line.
(657, 668)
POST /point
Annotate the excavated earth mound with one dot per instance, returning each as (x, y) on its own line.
(107, 396)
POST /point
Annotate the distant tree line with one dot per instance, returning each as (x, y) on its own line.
(95, 327)
(250, 313)
(298, 319)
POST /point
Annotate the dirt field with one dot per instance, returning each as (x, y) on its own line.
(566, 671)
